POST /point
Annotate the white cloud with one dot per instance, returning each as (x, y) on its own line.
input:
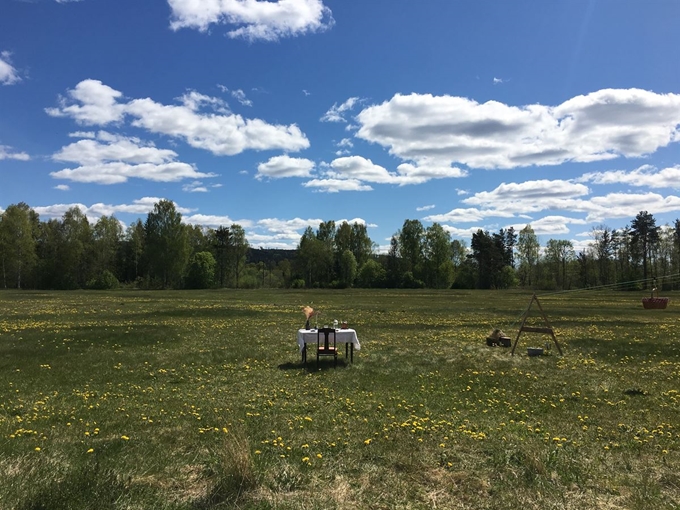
(117, 172)
(290, 228)
(195, 187)
(62, 187)
(212, 220)
(465, 215)
(361, 169)
(427, 170)
(285, 166)
(645, 175)
(330, 185)
(217, 131)
(552, 225)
(98, 104)
(352, 173)
(8, 73)
(141, 206)
(425, 208)
(532, 190)
(336, 113)
(224, 135)
(118, 148)
(112, 159)
(285, 234)
(83, 134)
(195, 101)
(345, 142)
(240, 96)
(8, 153)
(524, 200)
(602, 125)
(256, 20)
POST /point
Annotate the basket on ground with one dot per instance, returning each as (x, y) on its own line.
(658, 303)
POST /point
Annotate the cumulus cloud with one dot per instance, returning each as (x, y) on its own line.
(255, 20)
(93, 212)
(218, 131)
(285, 166)
(215, 221)
(7, 152)
(8, 73)
(90, 103)
(113, 159)
(336, 113)
(285, 234)
(62, 187)
(330, 185)
(552, 225)
(646, 175)
(530, 199)
(353, 173)
(603, 125)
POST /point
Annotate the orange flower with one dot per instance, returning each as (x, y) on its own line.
(309, 311)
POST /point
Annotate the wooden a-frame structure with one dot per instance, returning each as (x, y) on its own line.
(523, 328)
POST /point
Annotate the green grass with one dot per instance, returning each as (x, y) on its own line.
(198, 400)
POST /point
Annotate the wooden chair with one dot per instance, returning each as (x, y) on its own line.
(324, 347)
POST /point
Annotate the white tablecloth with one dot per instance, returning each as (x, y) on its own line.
(342, 336)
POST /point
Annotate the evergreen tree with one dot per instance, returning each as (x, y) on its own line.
(645, 237)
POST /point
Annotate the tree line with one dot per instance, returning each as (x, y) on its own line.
(163, 252)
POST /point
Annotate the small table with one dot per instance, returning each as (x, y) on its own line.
(345, 336)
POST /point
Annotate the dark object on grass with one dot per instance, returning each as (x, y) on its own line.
(658, 303)
(634, 391)
(497, 337)
(535, 351)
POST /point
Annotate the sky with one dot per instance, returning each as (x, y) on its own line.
(278, 115)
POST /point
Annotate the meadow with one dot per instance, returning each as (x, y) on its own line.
(198, 400)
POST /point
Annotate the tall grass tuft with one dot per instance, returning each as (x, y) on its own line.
(230, 473)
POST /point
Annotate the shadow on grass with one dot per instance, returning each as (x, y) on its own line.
(311, 365)
(602, 349)
(88, 487)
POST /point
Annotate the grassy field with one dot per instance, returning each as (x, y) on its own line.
(198, 400)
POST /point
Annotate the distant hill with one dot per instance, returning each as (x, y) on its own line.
(256, 255)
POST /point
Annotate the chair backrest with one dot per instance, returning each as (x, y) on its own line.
(326, 332)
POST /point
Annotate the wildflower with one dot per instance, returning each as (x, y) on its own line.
(368, 441)
(90, 450)
(125, 438)
(37, 448)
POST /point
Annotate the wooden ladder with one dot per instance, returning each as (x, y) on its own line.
(523, 328)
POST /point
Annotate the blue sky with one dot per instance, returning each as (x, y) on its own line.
(279, 115)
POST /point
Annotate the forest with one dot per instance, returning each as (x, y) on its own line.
(163, 252)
